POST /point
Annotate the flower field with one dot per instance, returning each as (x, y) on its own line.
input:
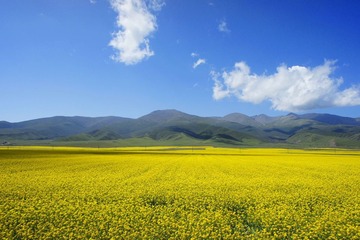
(179, 193)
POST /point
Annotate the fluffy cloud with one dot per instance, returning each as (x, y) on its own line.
(222, 27)
(293, 88)
(198, 62)
(136, 22)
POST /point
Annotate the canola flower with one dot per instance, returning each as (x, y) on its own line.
(173, 193)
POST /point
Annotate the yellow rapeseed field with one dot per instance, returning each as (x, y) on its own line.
(173, 193)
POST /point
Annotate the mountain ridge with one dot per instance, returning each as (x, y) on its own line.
(303, 130)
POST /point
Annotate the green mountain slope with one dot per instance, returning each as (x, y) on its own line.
(175, 127)
(55, 127)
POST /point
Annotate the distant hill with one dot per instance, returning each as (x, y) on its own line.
(163, 116)
(55, 127)
(331, 119)
(243, 119)
(179, 128)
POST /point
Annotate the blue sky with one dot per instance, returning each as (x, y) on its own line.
(205, 57)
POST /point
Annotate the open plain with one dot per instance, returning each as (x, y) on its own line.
(179, 193)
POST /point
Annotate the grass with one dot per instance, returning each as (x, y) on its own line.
(179, 193)
(306, 140)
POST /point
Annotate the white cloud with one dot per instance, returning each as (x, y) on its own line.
(136, 22)
(194, 54)
(92, 1)
(222, 27)
(156, 5)
(198, 62)
(293, 88)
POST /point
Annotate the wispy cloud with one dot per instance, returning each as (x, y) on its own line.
(136, 22)
(295, 88)
(92, 1)
(155, 5)
(222, 27)
(194, 54)
(199, 62)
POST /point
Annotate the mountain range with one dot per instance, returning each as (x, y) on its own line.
(172, 127)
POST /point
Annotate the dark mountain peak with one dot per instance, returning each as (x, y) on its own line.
(292, 115)
(242, 119)
(166, 115)
(331, 119)
(237, 115)
(4, 124)
(264, 119)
